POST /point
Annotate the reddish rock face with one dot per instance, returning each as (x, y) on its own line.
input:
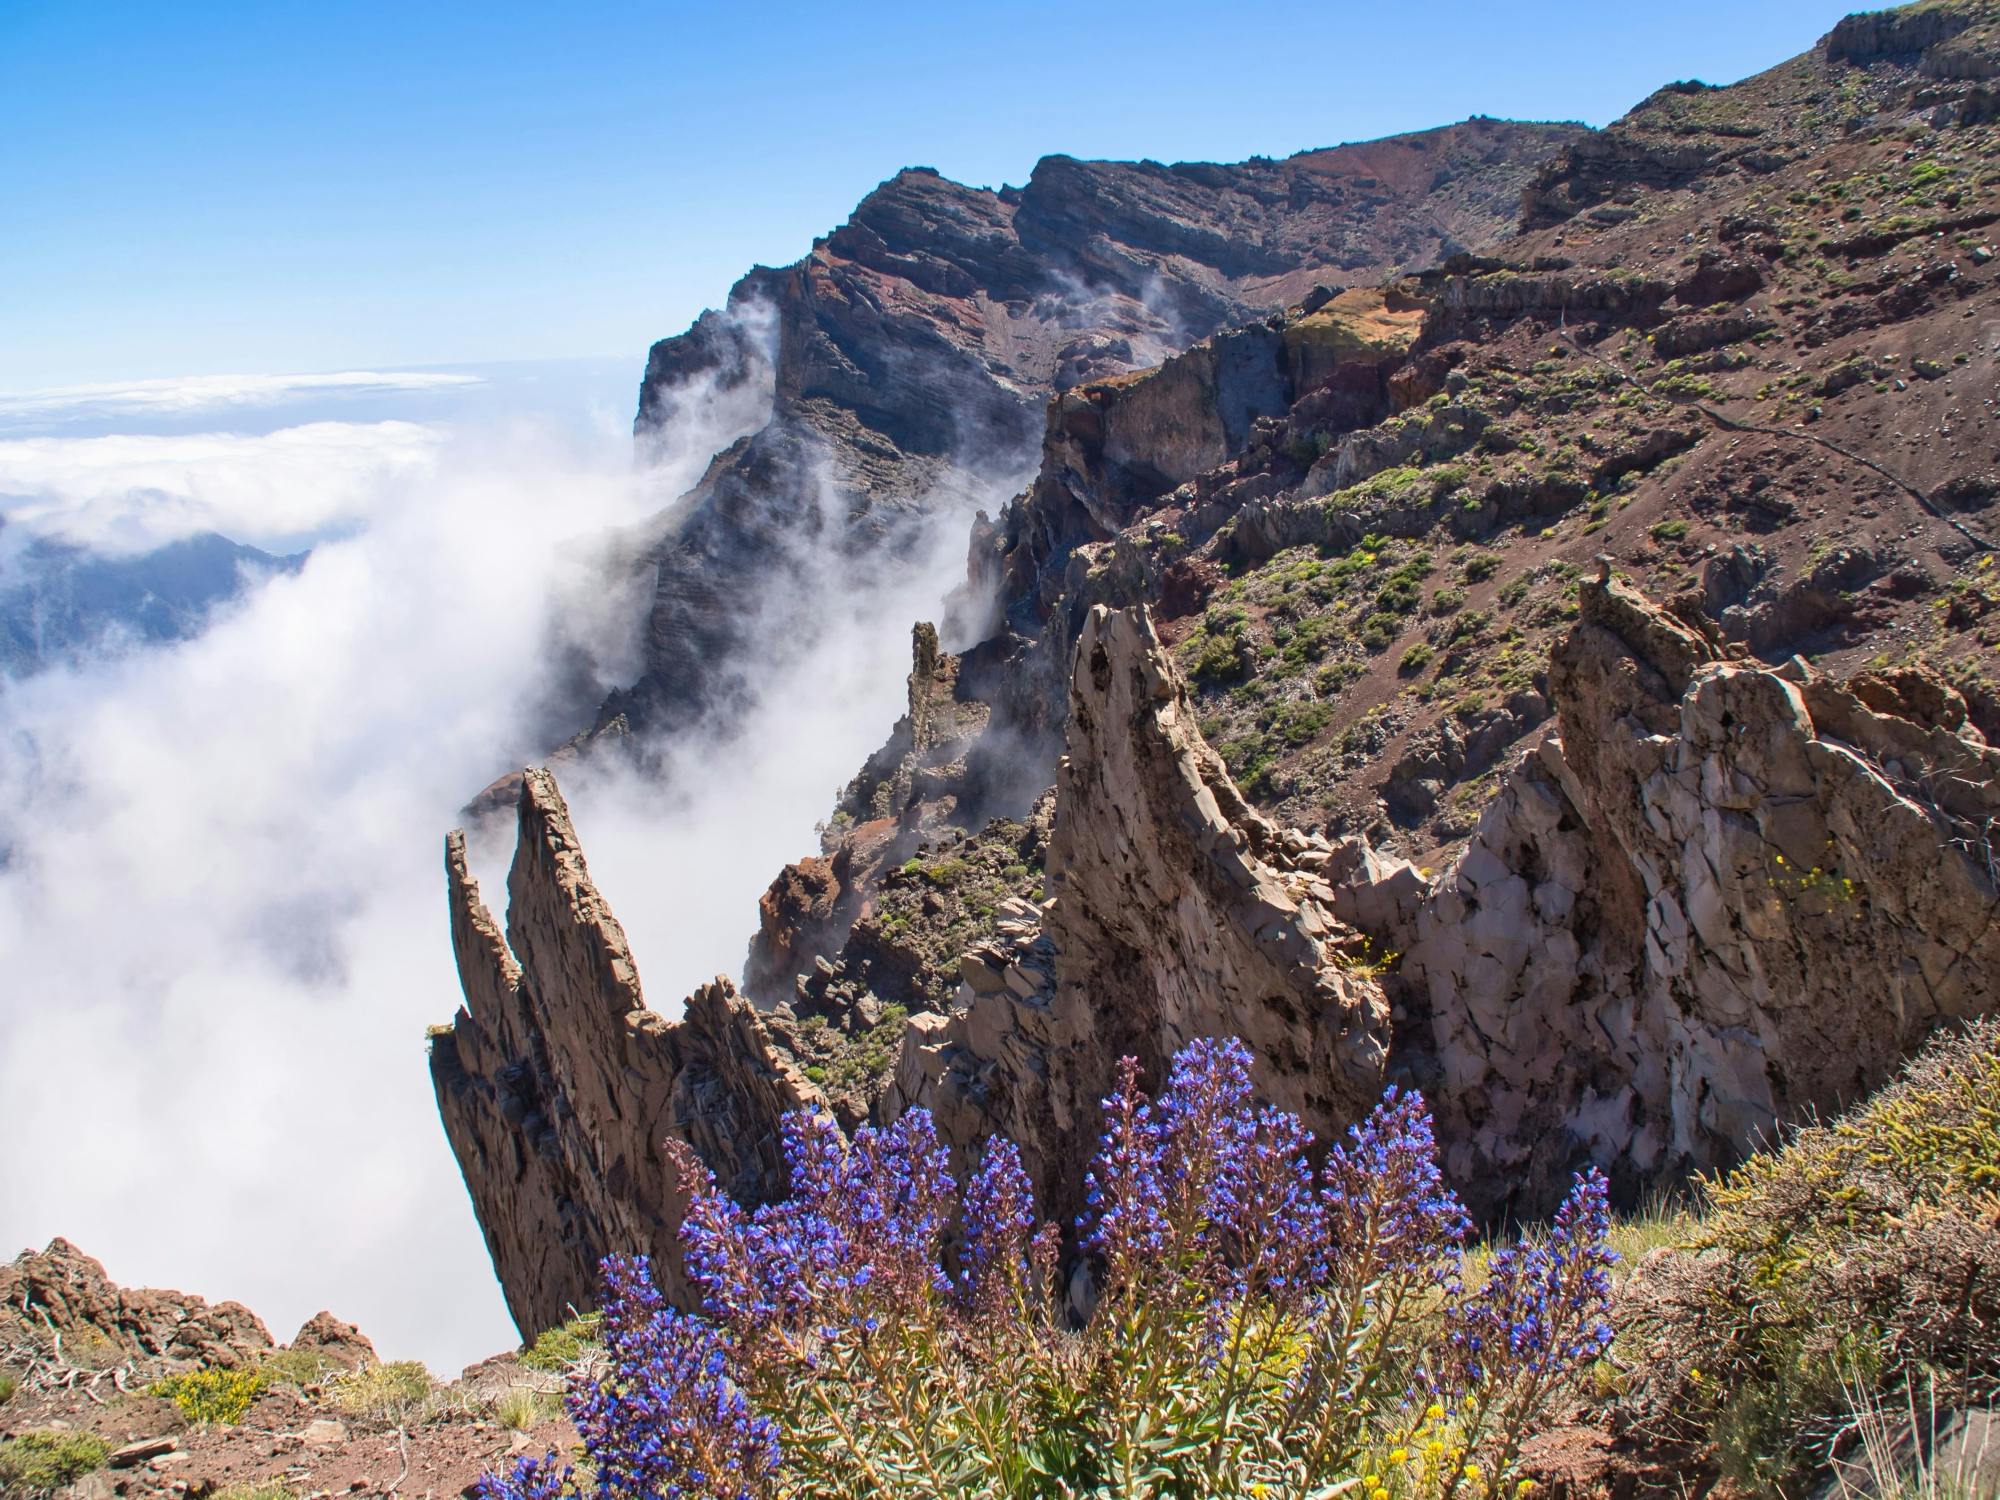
(337, 1342)
(796, 919)
(557, 1085)
(62, 1293)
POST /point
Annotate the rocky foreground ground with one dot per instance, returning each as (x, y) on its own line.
(140, 1392)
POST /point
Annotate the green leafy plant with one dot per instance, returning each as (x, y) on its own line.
(210, 1397)
(40, 1463)
(559, 1348)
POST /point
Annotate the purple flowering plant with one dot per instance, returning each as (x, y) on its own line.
(1257, 1325)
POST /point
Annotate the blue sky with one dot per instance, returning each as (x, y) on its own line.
(275, 186)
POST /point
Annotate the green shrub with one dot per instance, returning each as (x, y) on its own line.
(8, 1385)
(396, 1392)
(40, 1463)
(1859, 1259)
(206, 1397)
(261, 1489)
(1300, 723)
(298, 1367)
(1416, 659)
(559, 1348)
(1669, 531)
(1219, 659)
(1380, 630)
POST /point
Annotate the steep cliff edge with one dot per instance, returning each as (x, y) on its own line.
(557, 1085)
(909, 355)
(1739, 358)
(1177, 912)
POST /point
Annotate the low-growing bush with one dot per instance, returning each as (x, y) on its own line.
(1258, 1327)
(303, 1368)
(394, 1393)
(559, 1348)
(40, 1463)
(208, 1397)
(1862, 1258)
(8, 1385)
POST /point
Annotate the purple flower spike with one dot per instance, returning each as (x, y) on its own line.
(1545, 1307)
(999, 1226)
(670, 1419)
(1386, 1201)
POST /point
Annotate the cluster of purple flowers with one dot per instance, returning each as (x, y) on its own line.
(1195, 1201)
(996, 1267)
(859, 1237)
(1203, 1180)
(669, 1419)
(1544, 1306)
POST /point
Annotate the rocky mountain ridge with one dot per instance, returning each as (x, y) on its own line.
(904, 362)
(1554, 679)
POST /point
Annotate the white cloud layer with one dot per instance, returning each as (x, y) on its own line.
(188, 394)
(221, 887)
(128, 493)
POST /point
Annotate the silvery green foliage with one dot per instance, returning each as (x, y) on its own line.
(1263, 1327)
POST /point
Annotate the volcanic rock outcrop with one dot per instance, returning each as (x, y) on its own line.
(1719, 900)
(61, 1314)
(1178, 912)
(557, 1085)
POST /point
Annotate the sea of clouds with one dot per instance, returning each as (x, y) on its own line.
(221, 893)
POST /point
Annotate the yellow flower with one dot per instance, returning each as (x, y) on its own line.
(1378, 1495)
(1472, 1471)
(1694, 1375)
(1399, 1456)
(1372, 1480)
(1435, 1445)
(1525, 1487)
(1260, 1489)
(1434, 1412)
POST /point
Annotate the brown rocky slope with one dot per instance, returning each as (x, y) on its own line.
(1613, 880)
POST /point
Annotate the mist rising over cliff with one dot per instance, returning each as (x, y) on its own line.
(221, 895)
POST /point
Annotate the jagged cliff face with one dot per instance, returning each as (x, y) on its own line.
(1335, 637)
(1176, 912)
(910, 354)
(557, 1084)
(1716, 900)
